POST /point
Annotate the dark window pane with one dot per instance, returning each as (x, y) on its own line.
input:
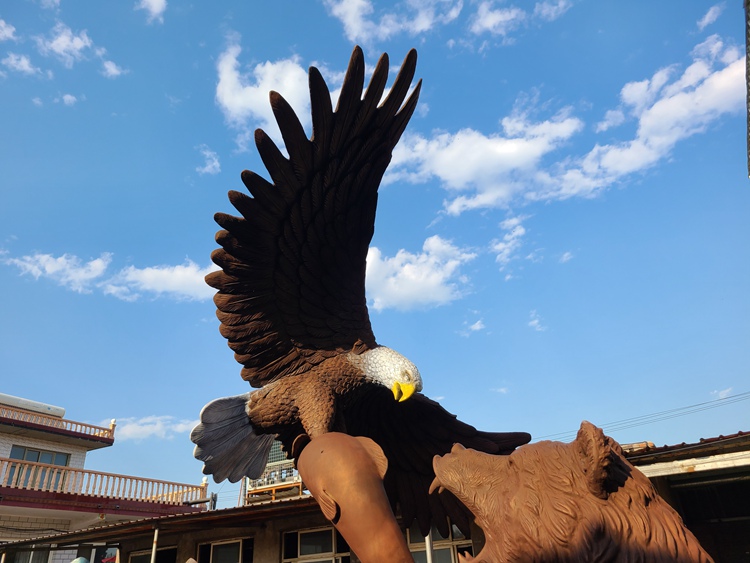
(442, 555)
(32, 455)
(204, 553)
(311, 543)
(61, 459)
(46, 457)
(290, 545)
(247, 550)
(341, 545)
(226, 553)
(16, 452)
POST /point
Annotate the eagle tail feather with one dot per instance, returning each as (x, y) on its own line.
(227, 443)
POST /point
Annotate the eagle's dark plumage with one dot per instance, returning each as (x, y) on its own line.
(291, 301)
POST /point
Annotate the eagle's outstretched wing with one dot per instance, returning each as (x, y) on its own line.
(292, 283)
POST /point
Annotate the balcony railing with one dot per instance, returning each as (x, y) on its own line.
(26, 475)
(280, 479)
(20, 415)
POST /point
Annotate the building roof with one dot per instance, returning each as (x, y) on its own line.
(178, 523)
(648, 453)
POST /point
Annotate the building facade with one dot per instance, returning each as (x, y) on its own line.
(46, 489)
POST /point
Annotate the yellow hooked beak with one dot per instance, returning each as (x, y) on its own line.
(402, 391)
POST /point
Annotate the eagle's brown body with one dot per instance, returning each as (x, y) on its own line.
(291, 301)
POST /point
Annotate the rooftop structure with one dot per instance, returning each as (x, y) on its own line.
(44, 487)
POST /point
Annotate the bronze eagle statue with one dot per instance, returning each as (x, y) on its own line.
(291, 301)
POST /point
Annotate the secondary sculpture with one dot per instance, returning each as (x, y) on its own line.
(567, 503)
(291, 301)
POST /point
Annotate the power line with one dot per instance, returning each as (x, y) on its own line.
(642, 420)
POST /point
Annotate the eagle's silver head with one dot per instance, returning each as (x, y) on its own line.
(390, 369)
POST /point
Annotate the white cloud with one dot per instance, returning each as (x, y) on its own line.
(507, 247)
(489, 167)
(37, 101)
(7, 31)
(566, 257)
(67, 46)
(711, 16)
(182, 282)
(67, 270)
(413, 17)
(50, 4)
(481, 170)
(500, 21)
(155, 9)
(613, 118)
(162, 427)
(550, 11)
(408, 281)
(535, 321)
(111, 70)
(724, 393)
(211, 165)
(67, 99)
(243, 97)
(501, 390)
(477, 326)
(20, 63)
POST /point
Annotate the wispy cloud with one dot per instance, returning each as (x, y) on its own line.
(211, 164)
(67, 99)
(506, 248)
(501, 390)
(20, 63)
(516, 166)
(469, 329)
(154, 8)
(7, 31)
(711, 16)
(724, 393)
(427, 279)
(535, 321)
(71, 47)
(67, 270)
(162, 427)
(181, 282)
(363, 25)
(112, 70)
(566, 257)
(68, 47)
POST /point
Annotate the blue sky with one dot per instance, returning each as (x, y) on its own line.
(562, 235)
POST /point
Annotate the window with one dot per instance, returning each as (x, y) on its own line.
(320, 545)
(163, 555)
(36, 556)
(39, 477)
(233, 551)
(444, 550)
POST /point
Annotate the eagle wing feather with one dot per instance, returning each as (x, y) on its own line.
(291, 287)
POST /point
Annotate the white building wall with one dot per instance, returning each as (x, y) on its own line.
(77, 453)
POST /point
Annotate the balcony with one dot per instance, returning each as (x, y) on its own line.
(40, 485)
(27, 423)
(280, 480)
